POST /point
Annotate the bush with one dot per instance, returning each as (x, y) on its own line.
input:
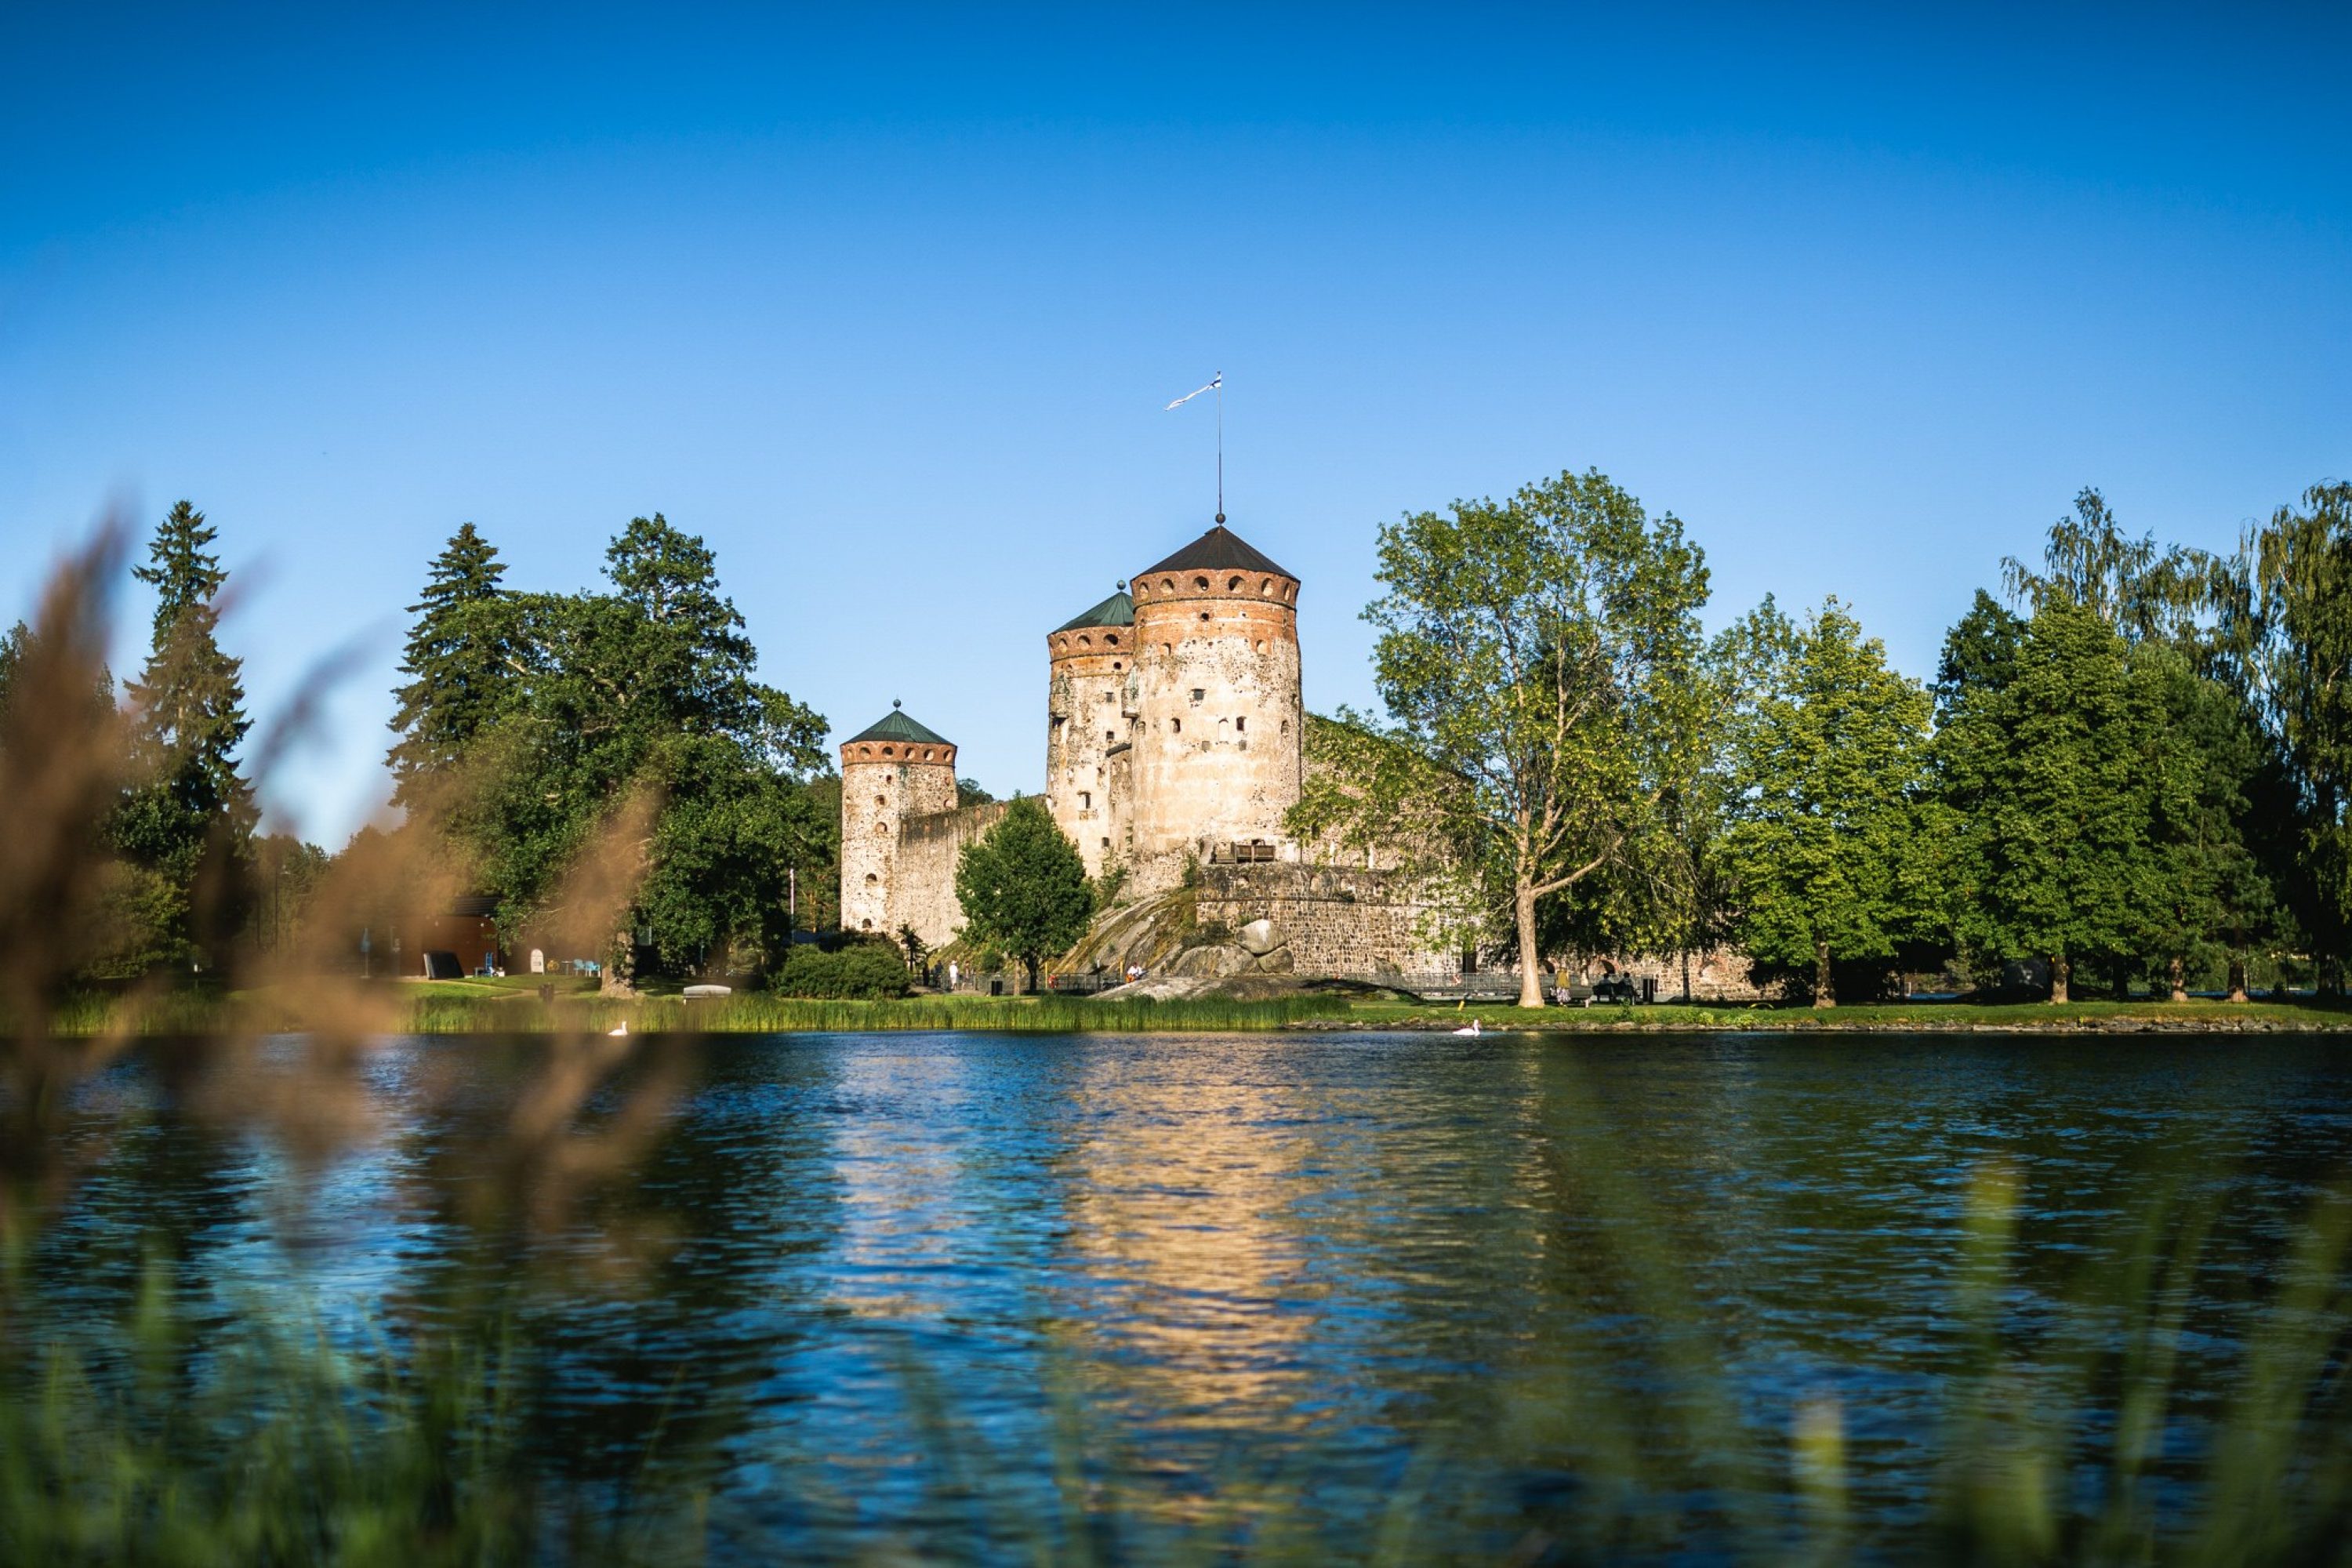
(866, 970)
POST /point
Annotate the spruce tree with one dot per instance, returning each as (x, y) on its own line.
(189, 699)
(463, 662)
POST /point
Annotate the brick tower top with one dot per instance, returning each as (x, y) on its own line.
(895, 739)
(1219, 565)
(1101, 641)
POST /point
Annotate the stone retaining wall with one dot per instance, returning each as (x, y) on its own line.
(1334, 919)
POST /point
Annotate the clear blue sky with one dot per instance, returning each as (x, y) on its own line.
(886, 303)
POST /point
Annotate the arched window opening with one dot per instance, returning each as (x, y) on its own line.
(871, 879)
(1168, 584)
(881, 801)
(1111, 639)
(1232, 585)
(1266, 587)
(1084, 641)
(1201, 582)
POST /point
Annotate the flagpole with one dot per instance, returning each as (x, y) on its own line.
(1221, 449)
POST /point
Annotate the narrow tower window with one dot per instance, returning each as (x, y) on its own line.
(1239, 725)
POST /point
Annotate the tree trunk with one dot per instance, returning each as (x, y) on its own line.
(1523, 915)
(1686, 989)
(2237, 978)
(2058, 976)
(1029, 968)
(619, 977)
(1824, 988)
(2179, 977)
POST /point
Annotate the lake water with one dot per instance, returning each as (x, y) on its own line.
(1321, 1270)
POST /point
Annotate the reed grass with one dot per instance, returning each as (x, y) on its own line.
(416, 1010)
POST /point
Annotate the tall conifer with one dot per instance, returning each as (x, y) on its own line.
(190, 699)
(462, 661)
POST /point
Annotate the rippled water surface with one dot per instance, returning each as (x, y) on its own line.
(1243, 1256)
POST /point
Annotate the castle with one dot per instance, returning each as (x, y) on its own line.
(1173, 735)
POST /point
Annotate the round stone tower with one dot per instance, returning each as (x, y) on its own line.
(1088, 661)
(1218, 720)
(895, 770)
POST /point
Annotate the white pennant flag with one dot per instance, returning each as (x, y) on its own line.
(1215, 382)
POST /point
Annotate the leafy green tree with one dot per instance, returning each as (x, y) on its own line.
(467, 663)
(1539, 661)
(651, 687)
(1829, 850)
(191, 818)
(2045, 754)
(2145, 591)
(2285, 611)
(1024, 887)
(2217, 898)
(2206, 760)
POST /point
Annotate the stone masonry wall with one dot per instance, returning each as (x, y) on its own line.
(1335, 920)
(922, 889)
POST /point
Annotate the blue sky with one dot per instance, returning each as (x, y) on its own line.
(885, 303)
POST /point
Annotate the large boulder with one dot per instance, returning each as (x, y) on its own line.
(1259, 938)
(1211, 960)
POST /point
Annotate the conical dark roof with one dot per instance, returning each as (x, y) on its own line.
(895, 726)
(1119, 610)
(1215, 551)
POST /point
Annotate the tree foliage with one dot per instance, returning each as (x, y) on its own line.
(1024, 887)
(1830, 850)
(2285, 639)
(189, 819)
(1537, 663)
(563, 707)
(467, 663)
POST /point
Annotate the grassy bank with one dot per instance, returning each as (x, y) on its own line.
(2074, 1017)
(461, 1007)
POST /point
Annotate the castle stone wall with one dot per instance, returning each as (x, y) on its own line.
(923, 894)
(1335, 920)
